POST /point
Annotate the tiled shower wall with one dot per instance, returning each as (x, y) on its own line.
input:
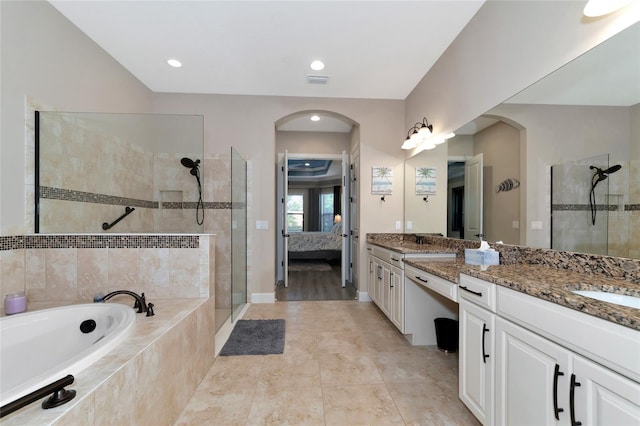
(61, 269)
(617, 229)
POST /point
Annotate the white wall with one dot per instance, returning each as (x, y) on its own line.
(507, 46)
(46, 58)
(312, 142)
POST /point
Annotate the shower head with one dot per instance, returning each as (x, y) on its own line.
(189, 163)
(601, 175)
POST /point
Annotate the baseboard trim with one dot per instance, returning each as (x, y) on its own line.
(363, 296)
(263, 297)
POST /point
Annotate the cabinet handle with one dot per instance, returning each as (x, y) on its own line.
(391, 280)
(370, 266)
(422, 279)
(477, 293)
(379, 272)
(395, 260)
(557, 373)
(484, 333)
(572, 405)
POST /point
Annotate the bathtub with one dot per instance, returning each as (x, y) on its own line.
(40, 347)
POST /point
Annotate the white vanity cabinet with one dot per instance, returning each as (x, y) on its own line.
(387, 287)
(553, 365)
(476, 359)
(385, 284)
(532, 378)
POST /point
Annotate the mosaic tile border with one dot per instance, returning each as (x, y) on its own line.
(98, 241)
(47, 192)
(582, 207)
(586, 207)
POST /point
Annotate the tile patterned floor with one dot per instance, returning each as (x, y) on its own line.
(343, 364)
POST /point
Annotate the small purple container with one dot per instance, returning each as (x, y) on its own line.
(14, 303)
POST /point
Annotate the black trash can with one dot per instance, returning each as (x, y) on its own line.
(447, 334)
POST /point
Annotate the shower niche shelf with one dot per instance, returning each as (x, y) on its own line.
(171, 203)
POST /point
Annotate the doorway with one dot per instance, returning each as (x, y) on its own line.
(313, 227)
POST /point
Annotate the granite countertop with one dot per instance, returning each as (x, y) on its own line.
(409, 247)
(551, 284)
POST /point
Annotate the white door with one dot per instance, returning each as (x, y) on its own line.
(353, 220)
(473, 198)
(285, 227)
(602, 397)
(476, 361)
(344, 212)
(532, 378)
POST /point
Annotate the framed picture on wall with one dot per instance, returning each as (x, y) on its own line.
(425, 181)
(381, 180)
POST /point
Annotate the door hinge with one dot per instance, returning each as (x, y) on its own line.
(283, 263)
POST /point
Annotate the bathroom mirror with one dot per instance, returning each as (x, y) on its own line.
(586, 109)
(134, 173)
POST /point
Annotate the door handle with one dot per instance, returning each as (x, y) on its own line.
(572, 406)
(484, 333)
(479, 235)
(477, 293)
(556, 373)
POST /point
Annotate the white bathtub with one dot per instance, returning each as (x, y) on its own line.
(40, 347)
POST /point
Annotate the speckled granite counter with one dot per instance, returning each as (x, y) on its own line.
(408, 247)
(551, 284)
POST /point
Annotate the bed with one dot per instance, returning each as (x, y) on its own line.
(315, 245)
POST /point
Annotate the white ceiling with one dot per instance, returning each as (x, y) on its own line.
(372, 49)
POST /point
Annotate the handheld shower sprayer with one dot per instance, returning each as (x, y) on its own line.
(598, 176)
(195, 171)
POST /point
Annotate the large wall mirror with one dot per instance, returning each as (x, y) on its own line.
(145, 169)
(560, 161)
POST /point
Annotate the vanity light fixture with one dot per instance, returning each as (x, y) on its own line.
(595, 8)
(421, 136)
(317, 65)
(174, 63)
(315, 117)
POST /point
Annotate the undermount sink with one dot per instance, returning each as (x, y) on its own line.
(618, 299)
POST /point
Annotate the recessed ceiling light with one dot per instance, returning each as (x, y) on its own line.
(174, 62)
(307, 164)
(317, 65)
(315, 118)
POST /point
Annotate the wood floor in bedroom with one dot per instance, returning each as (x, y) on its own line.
(312, 280)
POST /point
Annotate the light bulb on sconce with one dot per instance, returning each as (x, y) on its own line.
(337, 219)
(421, 136)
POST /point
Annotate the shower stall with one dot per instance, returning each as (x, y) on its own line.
(591, 206)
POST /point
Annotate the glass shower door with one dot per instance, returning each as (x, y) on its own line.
(580, 206)
(238, 233)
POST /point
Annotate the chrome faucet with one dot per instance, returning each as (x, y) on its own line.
(140, 304)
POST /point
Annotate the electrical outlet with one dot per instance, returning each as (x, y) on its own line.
(515, 224)
(409, 224)
(398, 225)
(262, 224)
(536, 224)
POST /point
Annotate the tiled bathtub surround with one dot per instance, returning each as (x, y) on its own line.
(607, 266)
(148, 379)
(63, 269)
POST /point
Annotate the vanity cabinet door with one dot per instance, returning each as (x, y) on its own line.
(601, 397)
(396, 293)
(477, 361)
(372, 278)
(532, 378)
(385, 289)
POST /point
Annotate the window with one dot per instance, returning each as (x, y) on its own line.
(326, 212)
(295, 213)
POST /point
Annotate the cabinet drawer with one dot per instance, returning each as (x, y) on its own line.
(430, 281)
(480, 292)
(389, 256)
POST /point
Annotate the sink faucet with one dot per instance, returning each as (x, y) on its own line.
(141, 303)
(419, 239)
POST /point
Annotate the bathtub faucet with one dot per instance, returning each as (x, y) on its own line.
(141, 303)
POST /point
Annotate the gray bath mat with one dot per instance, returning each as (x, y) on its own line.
(255, 337)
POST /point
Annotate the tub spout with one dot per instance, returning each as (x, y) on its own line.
(141, 303)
